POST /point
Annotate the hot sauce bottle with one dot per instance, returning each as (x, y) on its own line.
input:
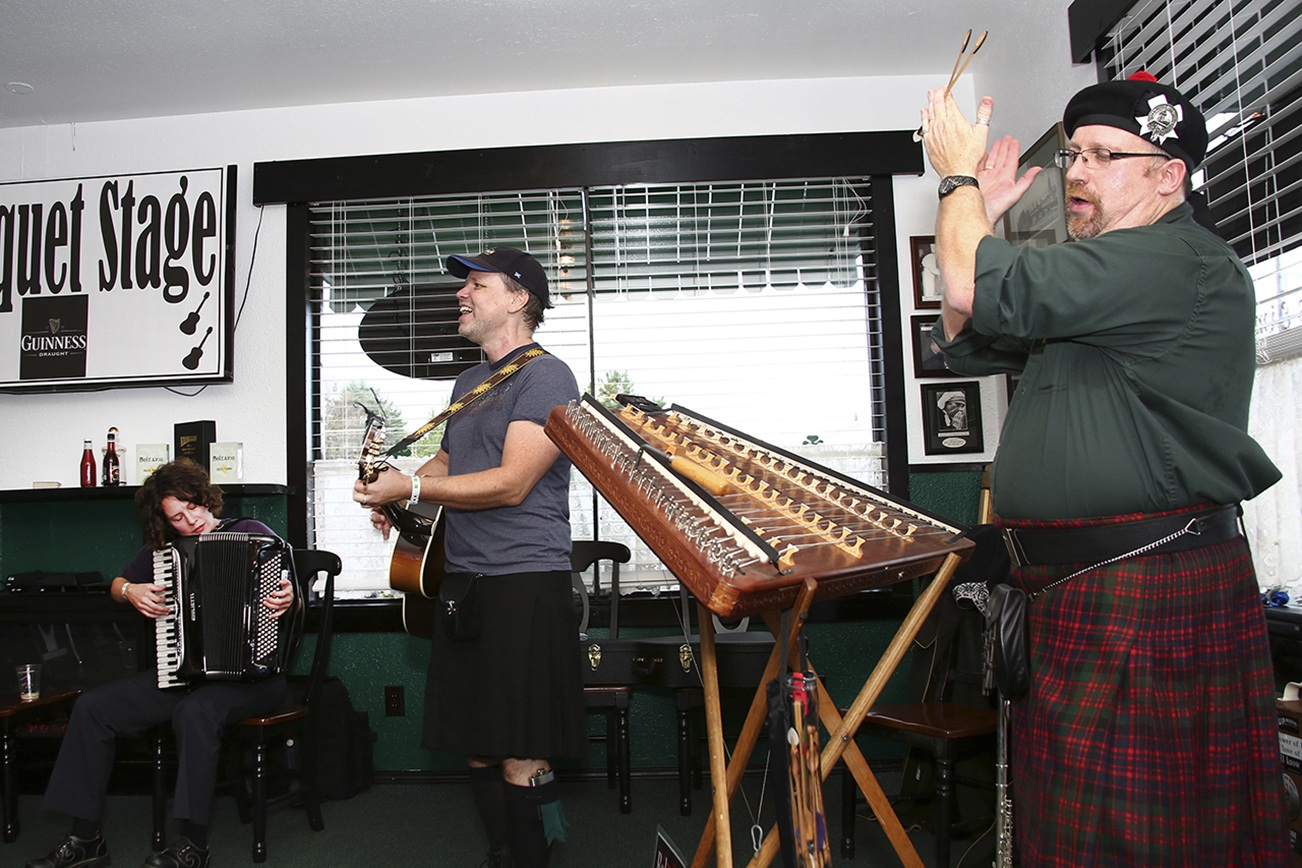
(87, 465)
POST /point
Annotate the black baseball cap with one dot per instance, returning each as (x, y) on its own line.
(1147, 108)
(511, 261)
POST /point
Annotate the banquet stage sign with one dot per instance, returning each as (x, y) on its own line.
(117, 281)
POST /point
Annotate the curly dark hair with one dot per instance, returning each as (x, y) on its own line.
(182, 479)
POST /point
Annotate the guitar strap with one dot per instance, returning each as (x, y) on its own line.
(469, 398)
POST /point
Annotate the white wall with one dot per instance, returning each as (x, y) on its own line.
(252, 409)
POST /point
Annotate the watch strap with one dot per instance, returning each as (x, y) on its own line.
(950, 183)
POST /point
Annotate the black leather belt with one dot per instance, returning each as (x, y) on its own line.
(1106, 542)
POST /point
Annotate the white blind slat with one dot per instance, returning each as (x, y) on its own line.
(721, 297)
(1241, 63)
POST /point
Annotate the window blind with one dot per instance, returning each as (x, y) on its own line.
(1241, 62)
(751, 302)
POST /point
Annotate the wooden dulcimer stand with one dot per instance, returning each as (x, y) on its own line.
(751, 529)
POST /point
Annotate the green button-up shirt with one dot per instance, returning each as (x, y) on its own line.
(1136, 355)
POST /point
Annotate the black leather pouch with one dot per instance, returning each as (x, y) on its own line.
(459, 606)
(1006, 618)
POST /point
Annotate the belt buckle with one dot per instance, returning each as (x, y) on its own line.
(1015, 553)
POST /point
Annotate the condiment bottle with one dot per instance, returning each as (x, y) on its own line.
(112, 466)
(87, 465)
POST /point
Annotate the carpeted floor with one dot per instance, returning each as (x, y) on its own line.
(435, 825)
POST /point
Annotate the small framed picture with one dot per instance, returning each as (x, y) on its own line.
(1039, 218)
(926, 274)
(951, 418)
(926, 361)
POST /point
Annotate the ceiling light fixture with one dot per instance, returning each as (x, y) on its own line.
(19, 87)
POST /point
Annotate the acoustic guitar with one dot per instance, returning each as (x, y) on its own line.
(416, 566)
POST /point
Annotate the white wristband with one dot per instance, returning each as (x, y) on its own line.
(415, 490)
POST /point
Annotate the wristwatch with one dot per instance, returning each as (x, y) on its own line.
(950, 183)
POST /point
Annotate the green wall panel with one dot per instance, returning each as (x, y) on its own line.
(101, 533)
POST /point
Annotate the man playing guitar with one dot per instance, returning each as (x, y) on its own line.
(504, 488)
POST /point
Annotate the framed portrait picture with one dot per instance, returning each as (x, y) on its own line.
(1039, 218)
(926, 275)
(951, 418)
(926, 361)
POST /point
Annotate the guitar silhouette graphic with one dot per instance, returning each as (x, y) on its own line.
(192, 360)
(191, 323)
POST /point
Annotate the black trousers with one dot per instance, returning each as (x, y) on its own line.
(79, 782)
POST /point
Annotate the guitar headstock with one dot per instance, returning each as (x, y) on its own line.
(368, 467)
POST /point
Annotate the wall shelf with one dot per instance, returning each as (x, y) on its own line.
(123, 492)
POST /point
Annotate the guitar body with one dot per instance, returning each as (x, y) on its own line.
(416, 566)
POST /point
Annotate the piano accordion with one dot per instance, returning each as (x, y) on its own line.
(742, 523)
(217, 628)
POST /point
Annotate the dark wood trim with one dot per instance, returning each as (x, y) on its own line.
(950, 467)
(1088, 21)
(127, 492)
(299, 426)
(888, 282)
(535, 167)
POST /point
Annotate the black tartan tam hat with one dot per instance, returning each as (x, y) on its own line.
(511, 261)
(1143, 106)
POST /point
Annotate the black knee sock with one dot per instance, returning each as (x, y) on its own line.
(85, 829)
(486, 786)
(530, 839)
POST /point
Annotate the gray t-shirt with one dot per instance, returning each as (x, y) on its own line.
(531, 537)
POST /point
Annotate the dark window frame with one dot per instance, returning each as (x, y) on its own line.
(878, 155)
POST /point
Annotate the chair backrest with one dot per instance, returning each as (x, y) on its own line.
(986, 506)
(308, 564)
(587, 553)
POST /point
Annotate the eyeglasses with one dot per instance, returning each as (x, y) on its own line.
(1099, 158)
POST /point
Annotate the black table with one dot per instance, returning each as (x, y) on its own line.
(13, 713)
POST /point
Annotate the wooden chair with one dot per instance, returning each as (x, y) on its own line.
(258, 734)
(611, 698)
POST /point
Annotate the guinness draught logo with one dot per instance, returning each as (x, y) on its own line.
(53, 340)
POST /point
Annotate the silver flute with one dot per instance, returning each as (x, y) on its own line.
(979, 595)
(1004, 816)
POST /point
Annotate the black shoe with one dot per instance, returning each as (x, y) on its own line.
(74, 852)
(181, 853)
(497, 858)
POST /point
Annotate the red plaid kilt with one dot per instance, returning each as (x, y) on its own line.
(1150, 735)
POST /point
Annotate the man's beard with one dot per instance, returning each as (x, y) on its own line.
(1084, 227)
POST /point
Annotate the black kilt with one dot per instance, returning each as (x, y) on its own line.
(517, 690)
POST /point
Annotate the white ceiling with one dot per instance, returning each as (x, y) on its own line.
(95, 60)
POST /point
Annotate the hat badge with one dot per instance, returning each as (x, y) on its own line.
(1161, 121)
